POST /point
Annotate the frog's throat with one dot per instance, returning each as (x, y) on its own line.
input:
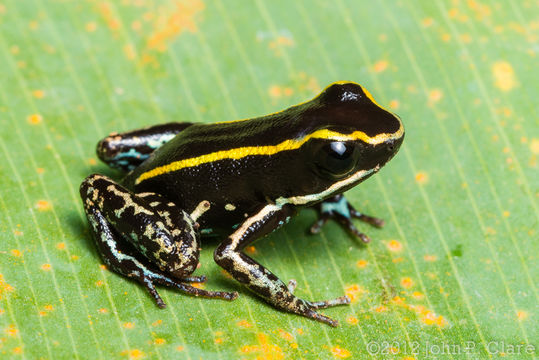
(289, 144)
(332, 190)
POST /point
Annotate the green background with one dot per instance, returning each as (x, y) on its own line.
(456, 262)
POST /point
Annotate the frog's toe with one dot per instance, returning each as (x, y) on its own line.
(341, 300)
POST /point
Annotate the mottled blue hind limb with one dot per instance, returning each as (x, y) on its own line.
(340, 210)
(144, 238)
(128, 150)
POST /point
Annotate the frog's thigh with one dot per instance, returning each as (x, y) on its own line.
(129, 149)
(159, 231)
(256, 277)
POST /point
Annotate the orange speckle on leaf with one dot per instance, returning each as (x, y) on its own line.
(130, 52)
(61, 246)
(352, 320)
(426, 22)
(128, 325)
(267, 349)
(11, 330)
(33, 25)
(157, 323)
(522, 315)
(244, 324)
(534, 146)
(48, 307)
(446, 37)
(110, 18)
(452, 13)
(287, 91)
(362, 263)
(380, 66)
(407, 282)
(394, 104)
(34, 119)
(504, 76)
(43, 205)
(136, 25)
(250, 250)
(14, 49)
(46, 267)
(286, 335)
(274, 91)
(134, 354)
(397, 260)
(435, 95)
(354, 292)
(103, 311)
(421, 178)
(159, 341)
(17, 232)
(180, 348)
(417, 295)
(17, 350)
(103, 267)
(394, 245)
(4, 287)
(38, 94)
(430, 258)
(16, 252)
(506, 213)
(99, 283)
(92, 161)
(340, 352)
(90, 26)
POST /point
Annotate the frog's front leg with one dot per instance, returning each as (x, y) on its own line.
(144, 237)
(339, 209)
(126, 151)
(257, 278)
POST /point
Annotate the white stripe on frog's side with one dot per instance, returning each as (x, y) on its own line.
(333, 189)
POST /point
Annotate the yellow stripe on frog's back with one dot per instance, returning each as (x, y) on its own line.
(289, 144)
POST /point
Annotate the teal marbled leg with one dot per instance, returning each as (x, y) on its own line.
(144, 238)
(339, 209)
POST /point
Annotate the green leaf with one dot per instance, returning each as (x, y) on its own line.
(453, 271)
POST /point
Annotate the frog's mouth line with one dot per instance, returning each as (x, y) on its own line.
(307, 199)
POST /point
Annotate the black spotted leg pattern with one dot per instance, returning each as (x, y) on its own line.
(144, 237)
(256, 277)
(340, 210)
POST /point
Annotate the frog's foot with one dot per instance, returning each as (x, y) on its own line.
(341, 300)
(144, 238)
(339, 209)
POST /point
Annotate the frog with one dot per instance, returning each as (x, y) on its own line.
(239, 181)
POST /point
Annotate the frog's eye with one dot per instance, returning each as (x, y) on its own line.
(337, 159)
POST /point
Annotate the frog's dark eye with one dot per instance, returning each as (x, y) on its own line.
(337, 159)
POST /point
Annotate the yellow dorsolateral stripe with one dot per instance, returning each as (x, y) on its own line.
(290, 144)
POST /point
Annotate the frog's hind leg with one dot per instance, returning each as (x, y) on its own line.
(339, 209)
(127, 150)
(143, 237)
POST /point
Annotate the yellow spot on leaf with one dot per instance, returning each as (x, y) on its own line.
(4, 287)
(157, 323)
(48, 307)
(90, 26)
(46, 267)
(394, 245)
(534, 146)
(506, 213)
(17, 350)
(407, 282)
(354, 292)
(435, 95)
(504, 76)
(340, 352)
(40, 170)
(394, 104)
(362, 263)
(99, 283)
(446, 37)
(380, 66)
(180, 348)
(16, 252)
(174, 22)
(352, 320)
(522, 315)
(159, 341)
(61, 246)
(128, 325)
(421, 178)
(34, 119)
(38, 94)
(103, 311)
(43, 205)
(267, 350)
(134, 354)
(130, 52)
(244, 324)
(426, 22)
(11, 330)
(418, 295)
(218, 340)
(110, 18)
(286, 335)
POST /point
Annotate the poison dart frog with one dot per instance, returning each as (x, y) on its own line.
(239, 180)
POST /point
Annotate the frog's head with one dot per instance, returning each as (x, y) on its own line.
(350, 138)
